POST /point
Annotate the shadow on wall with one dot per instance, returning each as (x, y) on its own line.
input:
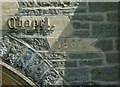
(81, 67)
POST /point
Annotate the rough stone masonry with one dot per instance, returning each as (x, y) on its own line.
(96, 20)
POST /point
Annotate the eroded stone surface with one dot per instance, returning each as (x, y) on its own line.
(87, 33)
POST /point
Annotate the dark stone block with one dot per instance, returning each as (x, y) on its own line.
(118, 44)
(78, 25)
(70, 64)
(105, 45)
(104, 30)
(84, 55)
(112, 57)
(113, 17)
(103, 6)
(105, 74)
(87, 17)
(80, 74)
(91, 62)
(80, 33)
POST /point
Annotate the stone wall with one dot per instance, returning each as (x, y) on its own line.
(95, 20)
(91, 20)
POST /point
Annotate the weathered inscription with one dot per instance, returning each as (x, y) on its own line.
(18, 23)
